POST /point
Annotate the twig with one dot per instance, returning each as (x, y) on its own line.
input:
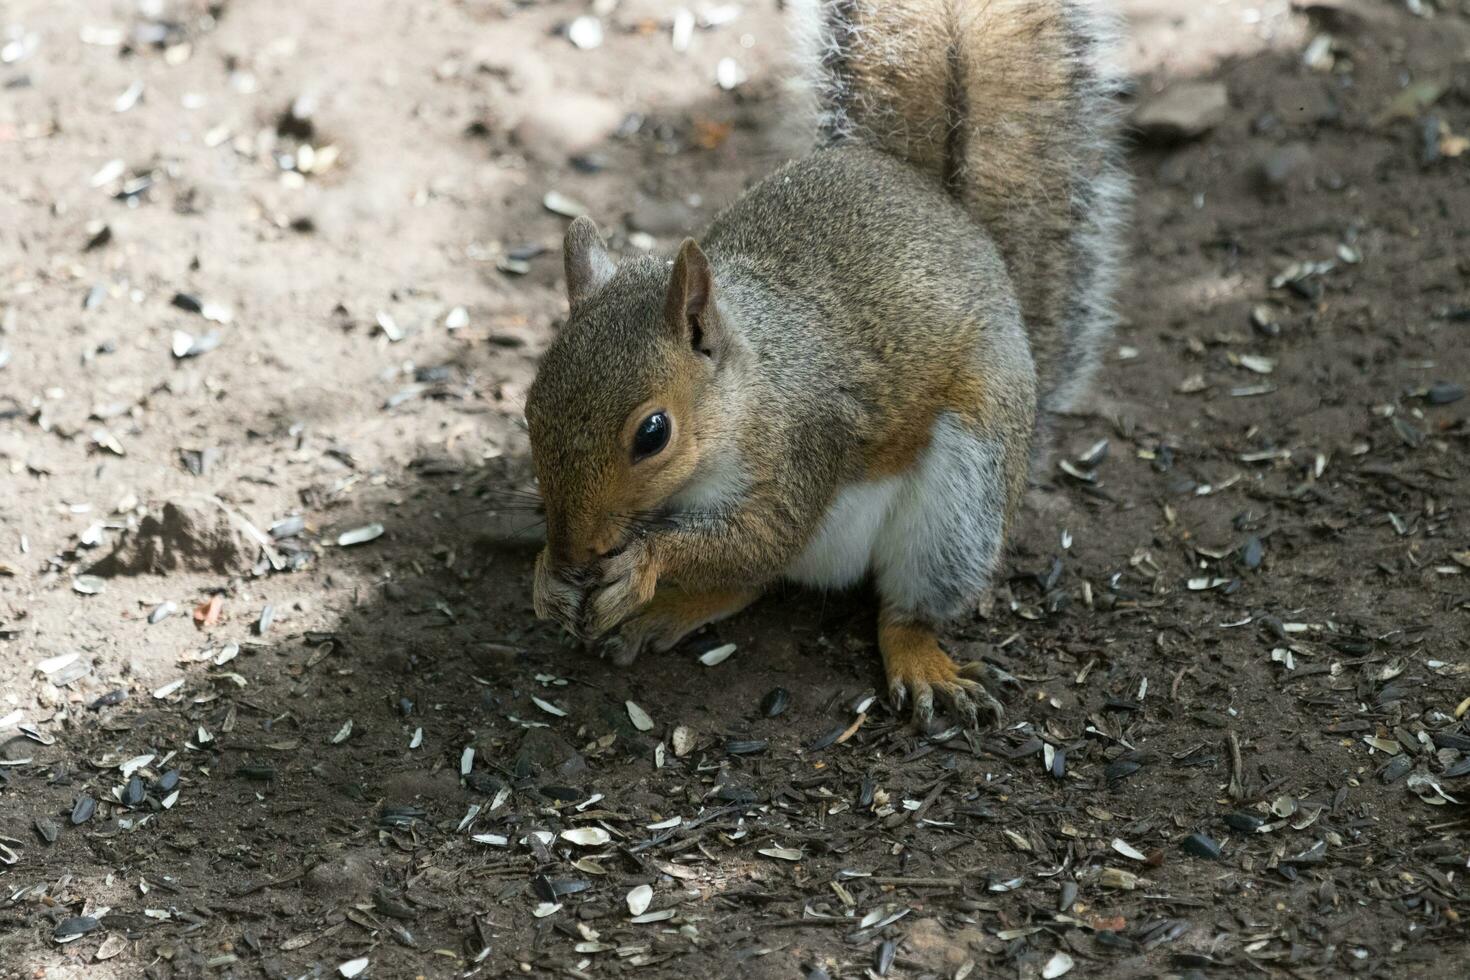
(1237, 769)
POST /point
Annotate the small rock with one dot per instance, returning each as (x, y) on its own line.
(543, 752)
(195, 534)
(1184, 111)
(341, 878)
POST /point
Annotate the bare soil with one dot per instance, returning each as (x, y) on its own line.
(1247, 620)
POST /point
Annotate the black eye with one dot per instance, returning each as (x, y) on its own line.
(652, 436)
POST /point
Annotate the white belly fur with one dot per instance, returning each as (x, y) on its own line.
(931, 536)
(841, 552)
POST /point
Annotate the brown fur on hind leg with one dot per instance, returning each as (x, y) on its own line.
(918, 668)
(672, 615)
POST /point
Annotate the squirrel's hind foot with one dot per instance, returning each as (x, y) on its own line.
(919, 671)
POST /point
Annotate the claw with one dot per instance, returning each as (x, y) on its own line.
(924, 706)
(621, 653)
(918, 668)
(966, 708)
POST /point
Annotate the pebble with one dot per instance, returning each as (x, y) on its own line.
(1183, 111)
(585, 32)
(341, 878)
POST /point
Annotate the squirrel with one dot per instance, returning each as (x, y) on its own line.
(848, 376)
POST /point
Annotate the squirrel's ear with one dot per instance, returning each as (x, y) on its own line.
(588, 265)
(691, 297)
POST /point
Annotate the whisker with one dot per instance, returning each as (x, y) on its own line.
(508, 493)
(496, 509)
(528, 527)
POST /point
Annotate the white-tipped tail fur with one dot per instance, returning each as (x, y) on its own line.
(1012, 105)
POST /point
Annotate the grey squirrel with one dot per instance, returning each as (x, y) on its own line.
(845, 378)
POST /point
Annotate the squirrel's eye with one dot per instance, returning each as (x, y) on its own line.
(652, 436)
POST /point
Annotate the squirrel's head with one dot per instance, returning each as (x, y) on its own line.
(619, 413)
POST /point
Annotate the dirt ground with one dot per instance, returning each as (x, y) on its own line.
(271, 261)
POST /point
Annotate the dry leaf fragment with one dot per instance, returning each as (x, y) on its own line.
(207, 613)
(710, 135)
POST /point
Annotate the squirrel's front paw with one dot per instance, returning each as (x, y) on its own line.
(556, 598)
(627, 584)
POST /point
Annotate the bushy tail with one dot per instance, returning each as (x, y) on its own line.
(1011, 104)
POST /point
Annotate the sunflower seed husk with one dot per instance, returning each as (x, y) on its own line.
(1201, 845)
(1245, 823)
(88, 585)
(360, 535)
(134, 792)
(1128, 850)
(781, 853)
(558, 203)
(111, 946)
(171, 688)
(774, 704)
(48, 829)
(638, 717)
(82, 810)
(1059, 964)
(718, 655)
(639, 899)
(550, 708)
(749, 746)
(586, 836)
(75, 928)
